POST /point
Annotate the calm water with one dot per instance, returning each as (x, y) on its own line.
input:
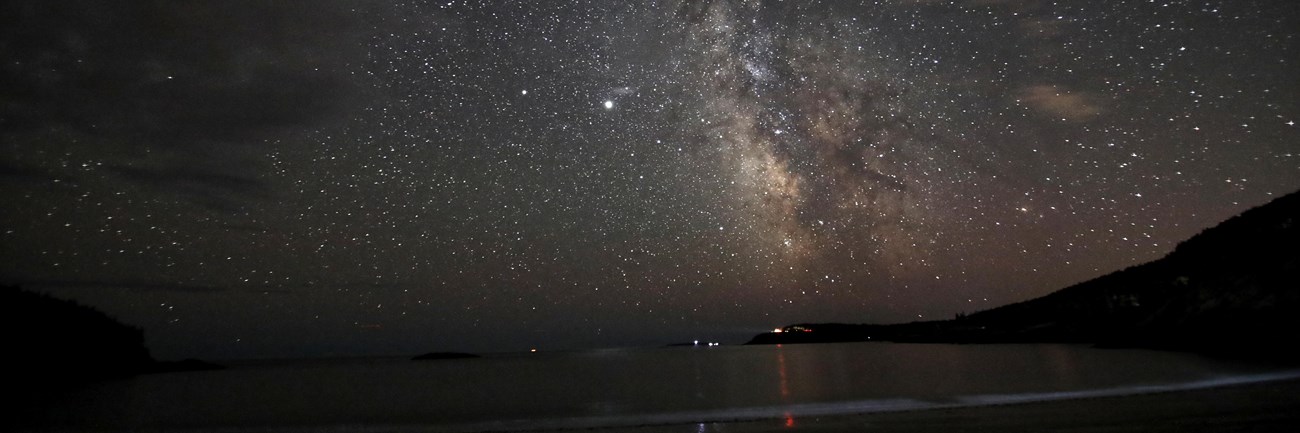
(619, 387)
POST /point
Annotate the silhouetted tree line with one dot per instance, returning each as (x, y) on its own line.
(49, 341)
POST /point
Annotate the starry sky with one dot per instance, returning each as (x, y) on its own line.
(251, 179)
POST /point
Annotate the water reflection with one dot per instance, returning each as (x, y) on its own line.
(785, 384)
(778, 383)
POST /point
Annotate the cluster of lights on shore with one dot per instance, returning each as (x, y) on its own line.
(713, 343)
(693, 342)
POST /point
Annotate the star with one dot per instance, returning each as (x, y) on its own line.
(464, 177)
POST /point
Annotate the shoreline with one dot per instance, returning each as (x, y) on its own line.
(859, 415)
(1263, 401)
(1257, 406)
(1271, 405)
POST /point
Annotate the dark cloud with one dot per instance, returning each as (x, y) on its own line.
(219, 191)
(180, 86)
(199, 67)
(146, 285)
(19, 173)
(250, 228)
(137, 285)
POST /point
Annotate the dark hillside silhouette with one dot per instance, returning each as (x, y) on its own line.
(49, 341)
(1233, 288)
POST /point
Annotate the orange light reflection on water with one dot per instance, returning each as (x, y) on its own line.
(780, 365)
(785, 384)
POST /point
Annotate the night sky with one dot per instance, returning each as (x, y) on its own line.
(323, 178)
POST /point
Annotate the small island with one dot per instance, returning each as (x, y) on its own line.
(431, 356)
(190, 364)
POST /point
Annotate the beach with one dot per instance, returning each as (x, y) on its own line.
(1258, 407)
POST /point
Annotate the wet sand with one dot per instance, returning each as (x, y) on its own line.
(1259, 407)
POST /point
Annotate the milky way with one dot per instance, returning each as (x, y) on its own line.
(245, 179)
(812, 134)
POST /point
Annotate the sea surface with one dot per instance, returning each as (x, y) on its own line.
(620, 387)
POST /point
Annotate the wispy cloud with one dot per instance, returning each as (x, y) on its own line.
(1054, 101)
(220, 191)
(138, 285)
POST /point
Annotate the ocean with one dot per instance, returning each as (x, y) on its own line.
(619, 387)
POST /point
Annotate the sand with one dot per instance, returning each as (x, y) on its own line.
(1259, 407)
